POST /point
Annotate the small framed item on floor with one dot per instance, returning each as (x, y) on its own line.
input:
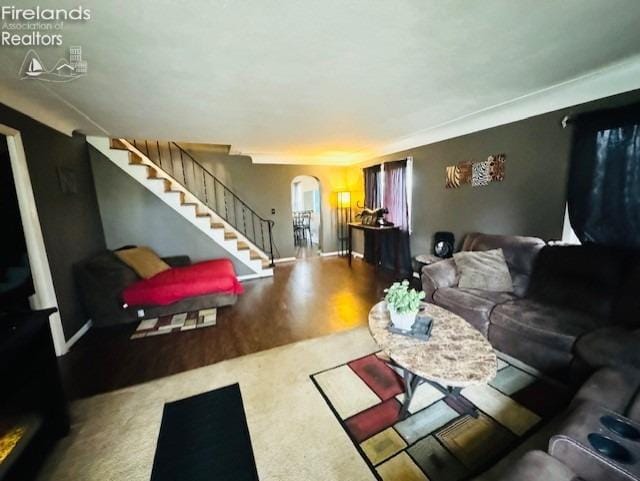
(184, 321)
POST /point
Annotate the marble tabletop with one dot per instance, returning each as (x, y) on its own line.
(456, 354)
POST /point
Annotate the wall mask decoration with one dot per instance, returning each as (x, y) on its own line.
(496, 167)
(476, 173)
(453, 177)
(458, 175)
(480, 175)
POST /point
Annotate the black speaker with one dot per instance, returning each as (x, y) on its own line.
(443, 244)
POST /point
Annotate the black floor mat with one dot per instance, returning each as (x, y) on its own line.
(205, 437)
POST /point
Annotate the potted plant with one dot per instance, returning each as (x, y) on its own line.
(403, 304)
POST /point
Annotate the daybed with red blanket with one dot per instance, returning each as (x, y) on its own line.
(113, 293)
(173, 285)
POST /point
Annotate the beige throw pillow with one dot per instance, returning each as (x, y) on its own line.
(485, 270)
(143, 260)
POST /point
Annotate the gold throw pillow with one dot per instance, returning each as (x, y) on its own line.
(143, 260)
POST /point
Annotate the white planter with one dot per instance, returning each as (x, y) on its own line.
(403, 320)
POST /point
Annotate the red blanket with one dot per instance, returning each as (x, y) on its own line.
(208, 277)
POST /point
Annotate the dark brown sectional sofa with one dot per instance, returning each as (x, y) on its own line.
(570, 305)
(561, 293)
(609, 391)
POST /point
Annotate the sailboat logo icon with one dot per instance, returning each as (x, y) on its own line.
(34, 68)
(64, 70)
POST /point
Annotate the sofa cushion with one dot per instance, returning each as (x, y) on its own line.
(519, 252)
(473, 305)
(585, 278)
(549, 325)
(613, 389)
(100, 280)
(537, 465)
(483, 270)
(612, 346)
(627, 302)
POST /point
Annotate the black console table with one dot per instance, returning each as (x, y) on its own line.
(33, 408)
(389, 230)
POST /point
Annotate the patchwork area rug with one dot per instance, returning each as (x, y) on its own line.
(178, 322)
(435, 442)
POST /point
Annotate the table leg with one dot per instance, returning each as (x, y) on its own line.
(411, 382)
(349, 229)
(452, 395)
(397, 252)
(454, 398)
(376, 249)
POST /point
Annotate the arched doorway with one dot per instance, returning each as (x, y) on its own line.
(305, 207)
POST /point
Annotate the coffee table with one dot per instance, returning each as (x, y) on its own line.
(455, 356)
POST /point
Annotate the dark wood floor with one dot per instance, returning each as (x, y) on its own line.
(305, 299)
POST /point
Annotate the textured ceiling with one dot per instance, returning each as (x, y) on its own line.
(317, 81)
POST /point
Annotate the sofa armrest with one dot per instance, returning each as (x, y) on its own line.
(439, 274)
(177, 261)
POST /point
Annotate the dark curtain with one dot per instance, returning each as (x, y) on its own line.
(372, 187)
(395, 200)
(604, 179)
(372, 194)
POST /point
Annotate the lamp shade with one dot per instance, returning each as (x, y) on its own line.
(344, 199)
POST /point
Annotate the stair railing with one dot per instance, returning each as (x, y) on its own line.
(207, 188)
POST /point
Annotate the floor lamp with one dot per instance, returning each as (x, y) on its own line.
(344, 217)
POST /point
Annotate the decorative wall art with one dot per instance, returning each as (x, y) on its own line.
(476, 173)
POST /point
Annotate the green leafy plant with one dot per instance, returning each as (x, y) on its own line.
(402, 299)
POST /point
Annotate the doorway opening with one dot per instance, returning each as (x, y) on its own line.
(305, 207)
(36, 262)
(16, 285)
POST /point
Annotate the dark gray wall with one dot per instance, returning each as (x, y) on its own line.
(267, 186)
(70, 223)
(131, 214)
(530, 200)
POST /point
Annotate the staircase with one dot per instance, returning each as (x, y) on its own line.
(178, 179)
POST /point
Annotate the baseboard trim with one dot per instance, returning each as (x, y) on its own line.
(284, 259)
(357, 255)
(248, 277)
(79, 333)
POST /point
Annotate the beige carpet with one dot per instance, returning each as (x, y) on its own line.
(294, 434)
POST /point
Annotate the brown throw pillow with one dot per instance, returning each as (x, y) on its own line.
(485, 270)
(143, 260)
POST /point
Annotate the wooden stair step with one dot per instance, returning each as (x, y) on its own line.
(203, 214)
(230, 236)
(217, 225)
(184, 201)
(135, 159)
(115, 144)
(243, 246)
(254, 256)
